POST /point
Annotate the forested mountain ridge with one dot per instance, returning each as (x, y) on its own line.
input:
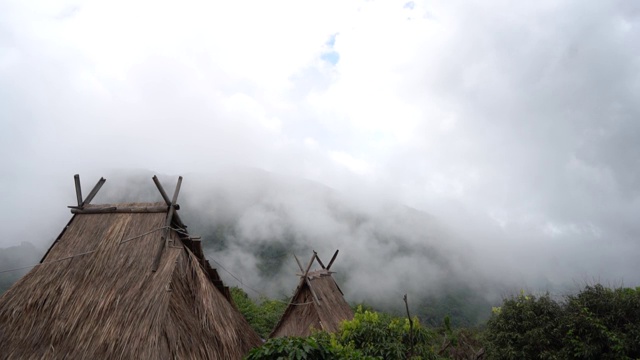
(17, 257)
(252, 223)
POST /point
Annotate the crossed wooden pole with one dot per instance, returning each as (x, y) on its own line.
(173, 206)
(305, 271)
(92, 194)
(172, 216)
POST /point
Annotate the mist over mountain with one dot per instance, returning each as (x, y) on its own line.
(239, 211)
(252, 222)
(16, 257)
(468, 148)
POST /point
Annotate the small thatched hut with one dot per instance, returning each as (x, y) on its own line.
(123, 281)
(318, 303)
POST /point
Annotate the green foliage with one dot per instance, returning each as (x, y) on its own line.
(463, 306)
(262, 315)
(597, 323)
(270, 255)
(381, 335)
(602, 323)
(318, 347)
(370, 335)
(461, 343)
(525, 327)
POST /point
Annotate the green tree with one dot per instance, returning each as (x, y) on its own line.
(370, 335)
(525, 327)
(603, 323)
(262, 314)
(383, 336)
(317, 347)
(597, 323)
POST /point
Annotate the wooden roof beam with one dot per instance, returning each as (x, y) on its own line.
(76, 179)
(120, 209)
(333, 259)
(92, 194)
(167, 200)
(306, 279)
(299, 264)
(172, 210)
(318, 258)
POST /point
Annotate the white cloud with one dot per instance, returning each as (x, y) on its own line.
(524, 113)
(357, 166)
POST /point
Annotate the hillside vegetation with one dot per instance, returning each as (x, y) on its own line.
(15, 257)
(596, 323)
(253, 223)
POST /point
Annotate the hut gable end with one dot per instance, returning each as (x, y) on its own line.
(95, 294)
(318, 303)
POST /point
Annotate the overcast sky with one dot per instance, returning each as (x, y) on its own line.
(517, 121)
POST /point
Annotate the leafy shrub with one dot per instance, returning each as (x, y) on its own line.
(262, 314)
(297, 348)
(597, 323)
(386, 337)
(603, 323)
(525, 327)
(370, 335)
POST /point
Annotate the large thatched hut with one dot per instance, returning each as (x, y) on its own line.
(318, 303)
(123, 281)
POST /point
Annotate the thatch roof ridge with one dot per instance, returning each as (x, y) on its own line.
(127, 204)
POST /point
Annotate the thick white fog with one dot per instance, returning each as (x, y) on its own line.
(504, 135)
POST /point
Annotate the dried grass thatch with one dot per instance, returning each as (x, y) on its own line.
(108, 304)
(318, 303)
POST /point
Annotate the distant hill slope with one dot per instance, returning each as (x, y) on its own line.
(252, 222)
(14, 257)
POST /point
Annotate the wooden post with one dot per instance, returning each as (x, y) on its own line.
(306, 279)
(313, 293)
(332, 259)
(167, 200)
(76, 179)
(93, 192)
(172, 210)
(298, 261)
(406, 304)
(308, 267)
(318, 258)
(161, 189)
(156, 260)
(176, 191)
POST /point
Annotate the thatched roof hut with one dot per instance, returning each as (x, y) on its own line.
(318, 303)
(123, 281)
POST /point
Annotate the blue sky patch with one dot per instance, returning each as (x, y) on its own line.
(331, 57)
(331, 41)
